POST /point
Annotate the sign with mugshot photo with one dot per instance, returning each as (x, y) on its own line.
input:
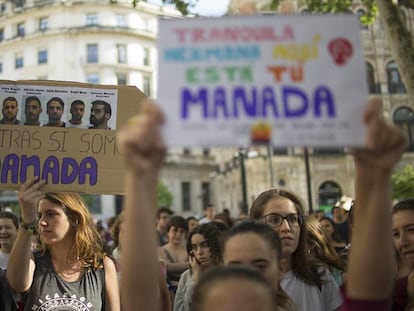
(64, 133)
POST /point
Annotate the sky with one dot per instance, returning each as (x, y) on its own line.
(211, 7)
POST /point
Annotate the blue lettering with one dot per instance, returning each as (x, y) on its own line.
(324, 96)
(70, 170)
(269, 100)
(10, 164)
(291, 92)
(27, 162)
(88, 166)
(239, 95)
(220, 102)
(187, 99)
(51, 166)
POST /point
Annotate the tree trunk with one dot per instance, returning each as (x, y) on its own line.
(401, 42)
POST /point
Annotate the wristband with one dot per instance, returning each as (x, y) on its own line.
(29, 227)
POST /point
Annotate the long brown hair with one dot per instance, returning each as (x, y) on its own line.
(303, 267)
(86, 249)
(321, 245)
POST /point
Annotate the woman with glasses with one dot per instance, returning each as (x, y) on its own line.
(308, 283)
(203, 247)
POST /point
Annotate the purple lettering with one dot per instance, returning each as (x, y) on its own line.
(10, 164)
(324, 96)
(88, 166)
(51, 166)
(70, 169)
(26, 163)
(187, 99)
(301, 104)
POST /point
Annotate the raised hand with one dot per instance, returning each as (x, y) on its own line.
(385, 143)
(29, 196)
(141, 141)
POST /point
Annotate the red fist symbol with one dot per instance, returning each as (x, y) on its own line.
(341, 50)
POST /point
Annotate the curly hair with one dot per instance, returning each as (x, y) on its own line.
(213, 235)
(304, 268)
(87, 247)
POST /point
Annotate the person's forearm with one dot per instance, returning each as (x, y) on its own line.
(371, 259)
(139, 259)
(177, 267)
(19, 273)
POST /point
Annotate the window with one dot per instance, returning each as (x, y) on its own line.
(372, 87)
(280, 151)
(360, 14)
(1, 35)
(121, 79)
(205, 193)
(120, 21)
(146, 86)
(186, 151)
(18, 63)
(186, 195)
(328, 151)
(122, 53)
(146, 60)
(1, 67)
(329, 193)
(20, 30)
(91, 19)
(42, 57)
(93, 78)
(206, 153)
(404, 118)
(395, 84)
(43, 23)
(92, 53)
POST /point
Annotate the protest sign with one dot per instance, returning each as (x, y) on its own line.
(44, 141)
(284, 80)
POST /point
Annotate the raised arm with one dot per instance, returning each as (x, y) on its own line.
(371, 261)
(21, 264)
(144, 150)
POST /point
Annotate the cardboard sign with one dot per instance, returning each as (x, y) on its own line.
(284, 80)
(42, 141)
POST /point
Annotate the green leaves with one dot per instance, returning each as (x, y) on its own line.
(164, 196)
(403, 183)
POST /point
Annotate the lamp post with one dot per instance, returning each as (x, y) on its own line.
(308, 179)
(242, 157)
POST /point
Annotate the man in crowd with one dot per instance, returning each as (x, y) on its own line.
(77, 109)
(32, 110)
(9, 224)
(100, 114)
(9, 111)
(54, 108)
(209, 214)
(162, 218)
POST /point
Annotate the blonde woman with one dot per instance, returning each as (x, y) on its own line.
(71, 269)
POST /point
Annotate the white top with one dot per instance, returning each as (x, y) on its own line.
(79, 126)
(204, 220)
(311, 298)
(184, 292)
(4, 260)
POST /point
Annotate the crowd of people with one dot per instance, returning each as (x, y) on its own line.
(279, 258)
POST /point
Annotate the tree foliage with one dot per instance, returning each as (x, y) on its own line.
(183, 6)
(164, 196)
(403, 183)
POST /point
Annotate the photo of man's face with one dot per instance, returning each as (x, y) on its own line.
(32, 111)
(97, 115)
(10, 110)
(54, 111)
(77, 111)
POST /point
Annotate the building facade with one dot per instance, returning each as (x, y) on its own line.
(319, 176)
(99, 42)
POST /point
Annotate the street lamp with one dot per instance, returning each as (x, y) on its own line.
(242, 156)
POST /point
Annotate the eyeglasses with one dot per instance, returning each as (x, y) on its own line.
(275, 220)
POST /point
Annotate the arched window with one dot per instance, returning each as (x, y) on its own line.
(404, 118)
(372, 86)
(329, 193)
(360, 13)
(395, 84)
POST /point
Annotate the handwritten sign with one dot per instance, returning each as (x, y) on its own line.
(45, 142)
(284, 80)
